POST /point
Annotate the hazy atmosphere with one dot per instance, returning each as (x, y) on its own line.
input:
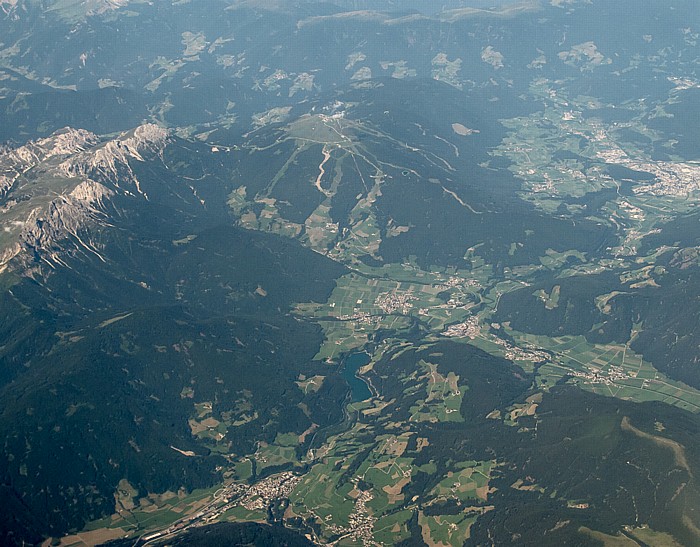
(349, 273)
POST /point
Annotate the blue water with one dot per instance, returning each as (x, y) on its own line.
(360, 390)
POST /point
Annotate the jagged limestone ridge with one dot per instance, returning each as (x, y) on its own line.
(109, 163)
(102, 170)
(14, 162)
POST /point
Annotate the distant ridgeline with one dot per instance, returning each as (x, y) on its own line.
(349, 272)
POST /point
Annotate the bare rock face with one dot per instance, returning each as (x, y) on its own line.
(8, 6)
(15, 162)
(47, 230)
(68, 215)
(54, 192)
(14, 8)
(7, 254)
(104, 6)
(91, 193)
(109, 163)
(68, 141)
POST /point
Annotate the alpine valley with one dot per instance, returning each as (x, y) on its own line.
(349, 272)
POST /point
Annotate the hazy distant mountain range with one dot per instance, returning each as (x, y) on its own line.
(208, 208)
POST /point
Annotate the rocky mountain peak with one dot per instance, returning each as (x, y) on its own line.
(8, 6)
(67, 141)
(14, 162)
(69, 12)
(53, 213)
(109, 163)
